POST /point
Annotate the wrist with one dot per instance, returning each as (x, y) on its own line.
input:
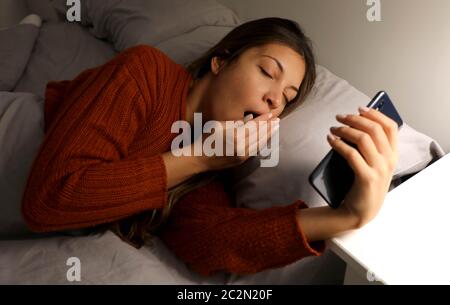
(199, 163)
(322, 223)
(180, 166)
(355, 221)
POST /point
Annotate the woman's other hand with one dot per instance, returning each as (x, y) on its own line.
(375, 135)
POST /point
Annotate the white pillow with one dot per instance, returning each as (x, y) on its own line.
(21, 133)
(15, 49)
(303, 144)
(187, 47)
(61, 52)
(44, 9)
(130, 22)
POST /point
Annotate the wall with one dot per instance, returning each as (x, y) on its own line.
(407, 53)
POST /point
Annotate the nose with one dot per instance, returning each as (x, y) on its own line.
(274, 99)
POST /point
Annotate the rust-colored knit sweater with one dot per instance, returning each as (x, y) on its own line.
(101, 161)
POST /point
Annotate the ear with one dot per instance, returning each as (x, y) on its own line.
(217, 64)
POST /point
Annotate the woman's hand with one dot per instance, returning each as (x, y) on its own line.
(376, 138)
(253, 132)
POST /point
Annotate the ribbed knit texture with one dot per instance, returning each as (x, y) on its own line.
(101, 158)
(101, 161)
(207, 232)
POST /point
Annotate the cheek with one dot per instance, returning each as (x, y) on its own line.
(279, 111)
(247, 90)
(237, 90)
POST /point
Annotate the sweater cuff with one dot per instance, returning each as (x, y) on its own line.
(314, 248)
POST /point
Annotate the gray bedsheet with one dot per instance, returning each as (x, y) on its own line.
(103, 258)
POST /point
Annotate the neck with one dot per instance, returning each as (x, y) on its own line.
(195, 98)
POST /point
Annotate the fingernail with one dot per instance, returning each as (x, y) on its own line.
(341, 116)
(248, 117)
(270, 115)
(333, 128)
(363, 109)
(330, 137)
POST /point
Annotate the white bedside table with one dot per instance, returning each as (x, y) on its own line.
(409, 240)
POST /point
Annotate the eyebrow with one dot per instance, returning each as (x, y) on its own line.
(280, 66)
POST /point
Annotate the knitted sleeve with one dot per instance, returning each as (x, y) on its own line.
(82, 175)
(211, 235)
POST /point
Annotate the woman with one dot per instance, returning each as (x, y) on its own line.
(106, 158)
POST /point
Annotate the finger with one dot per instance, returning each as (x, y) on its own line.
(258, 131)
(389, 125)
(266, 131)
(271, 124)
(248, 117)
(371, 127)
(266, 117)
(253, 149)
(233, 134)
(246, 134)
(263, 117)
(251, 146)
(362, 140)
(258, 128)
(249, 130)
(350, 154)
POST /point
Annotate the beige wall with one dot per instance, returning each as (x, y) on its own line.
(407, 53)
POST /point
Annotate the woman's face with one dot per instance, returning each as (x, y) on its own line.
(263, 79)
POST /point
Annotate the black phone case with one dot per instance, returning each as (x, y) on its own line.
(333, 177)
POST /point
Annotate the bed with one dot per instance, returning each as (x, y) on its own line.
(45, 47)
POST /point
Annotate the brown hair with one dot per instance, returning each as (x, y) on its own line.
(139, 229)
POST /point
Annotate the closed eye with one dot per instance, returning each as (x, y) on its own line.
(267, 74)
(270, 76)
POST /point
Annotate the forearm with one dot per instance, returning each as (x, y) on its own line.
(181, 168)
(324, 222)
(222, 237)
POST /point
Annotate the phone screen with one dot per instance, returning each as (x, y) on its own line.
(333, 177)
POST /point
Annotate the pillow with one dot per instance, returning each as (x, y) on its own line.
(15, 49)
(130, 22)
(62, 51)
(44, 9)
(303, 144)
(187, 47)
(21, 133)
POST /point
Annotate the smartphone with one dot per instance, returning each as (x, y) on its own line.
(333, 177)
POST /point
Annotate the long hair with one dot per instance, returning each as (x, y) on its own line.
(139, 229)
